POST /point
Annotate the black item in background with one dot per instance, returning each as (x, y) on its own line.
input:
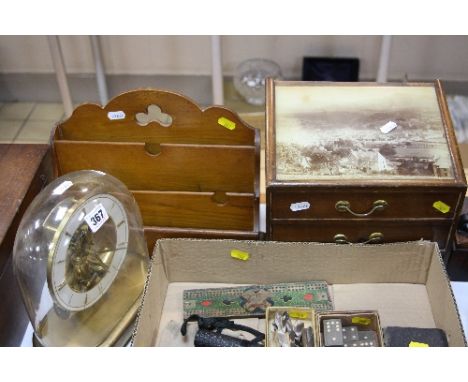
(463, 223)
(395, 336)
(457, 266)
(330, 69)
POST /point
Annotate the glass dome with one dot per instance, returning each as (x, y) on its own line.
(81, 260)
(250, 76)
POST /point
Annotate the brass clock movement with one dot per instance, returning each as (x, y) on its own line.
(81, 261)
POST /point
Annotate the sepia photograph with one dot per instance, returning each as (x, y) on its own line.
(329, 132)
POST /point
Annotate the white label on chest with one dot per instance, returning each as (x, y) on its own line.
(389, 126)
(116, 115)
(97, 217)
(299, 206)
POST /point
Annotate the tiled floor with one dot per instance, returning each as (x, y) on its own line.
(28, 122)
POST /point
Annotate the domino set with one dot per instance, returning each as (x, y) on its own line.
(349, 329)
(334, 334)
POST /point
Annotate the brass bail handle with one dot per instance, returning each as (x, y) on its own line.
(340, 238)
(374, 238)
(345, 206)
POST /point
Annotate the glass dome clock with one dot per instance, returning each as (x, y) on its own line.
(80, 258)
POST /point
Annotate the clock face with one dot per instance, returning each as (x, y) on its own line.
(91, 244)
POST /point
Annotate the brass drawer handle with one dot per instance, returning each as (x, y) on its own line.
(340, 238)
(345, 206)
(374, 238)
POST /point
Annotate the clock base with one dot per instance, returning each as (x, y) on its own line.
(120, 336)
(122, 341)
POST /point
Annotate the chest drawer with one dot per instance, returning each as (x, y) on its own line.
(351, 204)
(373, 232)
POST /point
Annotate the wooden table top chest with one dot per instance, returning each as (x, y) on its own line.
(361, 162)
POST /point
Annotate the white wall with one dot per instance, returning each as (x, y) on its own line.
(420, 57)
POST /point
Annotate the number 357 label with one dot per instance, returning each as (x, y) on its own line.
(97, 217)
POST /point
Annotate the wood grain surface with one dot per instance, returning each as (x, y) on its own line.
(197, 209)
(176, 168)
(24, 169)
(18, 167)
(358, 231)
(190, 124)
(401, 202)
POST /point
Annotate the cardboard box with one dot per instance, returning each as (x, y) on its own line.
(405, 282)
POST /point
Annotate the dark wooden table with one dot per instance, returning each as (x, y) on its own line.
(24, 169)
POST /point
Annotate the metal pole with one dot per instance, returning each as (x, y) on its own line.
(385, 47)
(57, 59)
(217, 71)
(100, 74)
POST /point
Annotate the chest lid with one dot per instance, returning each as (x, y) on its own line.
(360, 132)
